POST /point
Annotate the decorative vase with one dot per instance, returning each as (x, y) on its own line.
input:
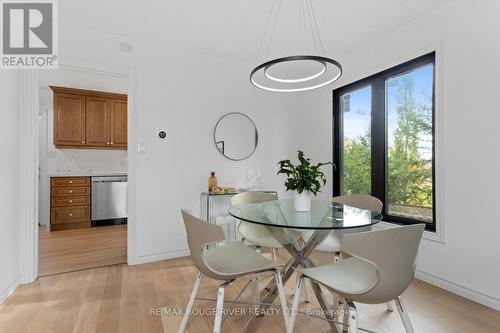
(302, 201)
(212, 181)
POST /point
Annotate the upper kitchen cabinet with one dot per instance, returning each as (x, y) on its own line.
(97, 121)
(69, 120)
(118, 122)
(89, 119)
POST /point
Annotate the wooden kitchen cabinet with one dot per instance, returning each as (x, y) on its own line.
(97, 121)
(118, 124)
(89, 119)
(70, 203)
(69, 120)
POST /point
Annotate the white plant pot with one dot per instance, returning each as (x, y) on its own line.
(302, 201)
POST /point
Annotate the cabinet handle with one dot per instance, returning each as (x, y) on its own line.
(71, 191)
(107, 143)
(112, 143)
(71, 201)
(83, 141)
(71, 182)
(70, 214)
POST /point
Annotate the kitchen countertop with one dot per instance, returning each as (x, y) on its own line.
(86, 174)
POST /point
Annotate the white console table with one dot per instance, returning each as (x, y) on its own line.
(214, 209)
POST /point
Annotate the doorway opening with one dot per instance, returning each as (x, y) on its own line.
(82, 169)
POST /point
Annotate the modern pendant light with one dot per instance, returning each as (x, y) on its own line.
(295, 73)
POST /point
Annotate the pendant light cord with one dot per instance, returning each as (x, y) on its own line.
(274, 28)
(306, 15)
(276, 3)
(317, 28)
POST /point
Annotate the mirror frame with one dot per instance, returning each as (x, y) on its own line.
(256, 136)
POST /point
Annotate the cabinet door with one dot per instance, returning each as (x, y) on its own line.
(97, 114)
(119, 124)
(69, 120)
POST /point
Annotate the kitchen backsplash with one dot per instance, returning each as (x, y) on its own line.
(67, 161)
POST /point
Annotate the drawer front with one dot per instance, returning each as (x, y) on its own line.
(70, 191)
(70, 181)
(70, 214)
(70, 201)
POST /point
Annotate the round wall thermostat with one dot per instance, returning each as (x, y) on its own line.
(162, 134)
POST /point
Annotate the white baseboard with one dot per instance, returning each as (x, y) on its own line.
(9, 289)
(159, 256)
(458, 289)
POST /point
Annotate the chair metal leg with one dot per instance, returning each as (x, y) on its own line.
(353, 317)
(256, 286)
(274, 256)
(305, 290)
(220, 307)
(307, 298)
(189, 306)
(404, 315)
(389, 306)
(295, 305)
(256, 291)
(345, 317)
(281, 292)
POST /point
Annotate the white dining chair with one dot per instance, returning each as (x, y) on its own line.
(381, 268)
(258, 235)
(333, 241)
(224, 262)
(254, 234)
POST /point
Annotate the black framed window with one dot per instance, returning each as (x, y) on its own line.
(383, 140)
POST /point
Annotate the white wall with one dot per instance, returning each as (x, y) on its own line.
(185, 93)
(9, 200)
(465, 34)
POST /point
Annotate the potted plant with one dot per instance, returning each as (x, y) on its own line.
(305, 179)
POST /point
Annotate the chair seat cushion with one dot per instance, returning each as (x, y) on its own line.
(258, 235)
(233, 260)
(352, 276)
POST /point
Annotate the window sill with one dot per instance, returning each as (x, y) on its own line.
(428, 235)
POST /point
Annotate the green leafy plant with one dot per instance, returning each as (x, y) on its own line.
(305, 176)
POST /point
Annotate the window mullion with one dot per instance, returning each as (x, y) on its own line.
(378, 139)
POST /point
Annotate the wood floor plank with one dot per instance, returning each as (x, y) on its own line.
(71, 250)
(119, 298)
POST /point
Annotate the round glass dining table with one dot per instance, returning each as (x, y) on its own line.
(300, 233)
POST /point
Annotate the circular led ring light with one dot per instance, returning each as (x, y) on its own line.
(307, 78)
(270, 63)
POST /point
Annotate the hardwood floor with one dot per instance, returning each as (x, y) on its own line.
(71, 250)
(119, 298)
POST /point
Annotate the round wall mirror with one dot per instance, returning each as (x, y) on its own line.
(235, 136)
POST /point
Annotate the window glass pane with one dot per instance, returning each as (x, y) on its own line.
(356, 110)
(409, 99)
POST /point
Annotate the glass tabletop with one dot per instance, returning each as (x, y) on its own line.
(323, 215)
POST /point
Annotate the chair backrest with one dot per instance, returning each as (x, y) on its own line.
(250, 230)
(200, 233)
(363, 201)
(252, 197)
(394, 252)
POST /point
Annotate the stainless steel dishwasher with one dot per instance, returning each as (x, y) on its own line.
(109, 200)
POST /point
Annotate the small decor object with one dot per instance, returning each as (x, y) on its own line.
(305, 179)
(222, 190)
(229, 189)
(217, 190)
(212, 181)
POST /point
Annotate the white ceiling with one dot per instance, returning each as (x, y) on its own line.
(235, 27)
